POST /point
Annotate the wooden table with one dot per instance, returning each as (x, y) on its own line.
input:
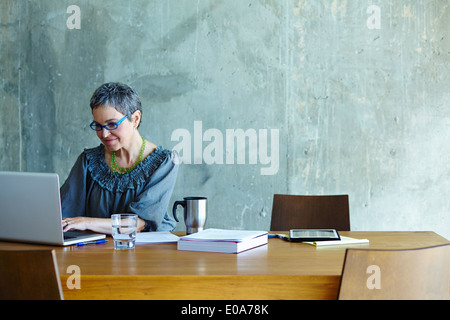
(279, 270)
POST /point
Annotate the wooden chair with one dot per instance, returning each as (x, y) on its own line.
(414, 274)
(29, 275)
(310, 212)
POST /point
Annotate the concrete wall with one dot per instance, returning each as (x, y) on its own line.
(338, 97)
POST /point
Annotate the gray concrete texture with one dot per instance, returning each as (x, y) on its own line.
(357, 92)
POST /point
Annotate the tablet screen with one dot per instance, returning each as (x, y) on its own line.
(313, 234)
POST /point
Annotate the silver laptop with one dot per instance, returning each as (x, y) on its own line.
(30, 210)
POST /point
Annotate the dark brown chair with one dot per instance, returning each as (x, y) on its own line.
(310, 212)
(29, 275)
(414, 274)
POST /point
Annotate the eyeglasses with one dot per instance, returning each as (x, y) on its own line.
(110, 126)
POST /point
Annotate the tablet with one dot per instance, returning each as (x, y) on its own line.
(300, 235)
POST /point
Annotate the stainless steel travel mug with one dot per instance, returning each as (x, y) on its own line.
(195, 209)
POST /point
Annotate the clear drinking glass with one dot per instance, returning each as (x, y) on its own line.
(124, 226)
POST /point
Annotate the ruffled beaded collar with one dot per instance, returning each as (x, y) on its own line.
(103, 175)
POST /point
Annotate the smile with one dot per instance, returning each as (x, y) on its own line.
(109, 141)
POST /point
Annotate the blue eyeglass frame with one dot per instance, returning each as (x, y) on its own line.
(96, 126)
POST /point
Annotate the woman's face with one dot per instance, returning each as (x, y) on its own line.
(115, 139)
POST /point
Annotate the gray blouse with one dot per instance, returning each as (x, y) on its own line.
(93, 190)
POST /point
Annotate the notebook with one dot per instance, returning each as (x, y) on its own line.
(30, 210)
(156, 237)
(341, 242)
(223, 240)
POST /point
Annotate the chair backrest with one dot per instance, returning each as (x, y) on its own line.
(310, 212)
(29, 275)
(414, 274)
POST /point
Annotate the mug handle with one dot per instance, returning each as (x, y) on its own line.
(174, 209)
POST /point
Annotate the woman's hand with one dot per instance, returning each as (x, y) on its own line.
(99, 225)
(76, 223)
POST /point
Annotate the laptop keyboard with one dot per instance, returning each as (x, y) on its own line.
(71, 235)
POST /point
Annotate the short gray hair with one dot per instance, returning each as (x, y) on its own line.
(120, 96)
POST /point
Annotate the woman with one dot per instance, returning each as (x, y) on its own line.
(125, 174)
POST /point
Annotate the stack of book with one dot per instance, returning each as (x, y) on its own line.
(220, 240)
